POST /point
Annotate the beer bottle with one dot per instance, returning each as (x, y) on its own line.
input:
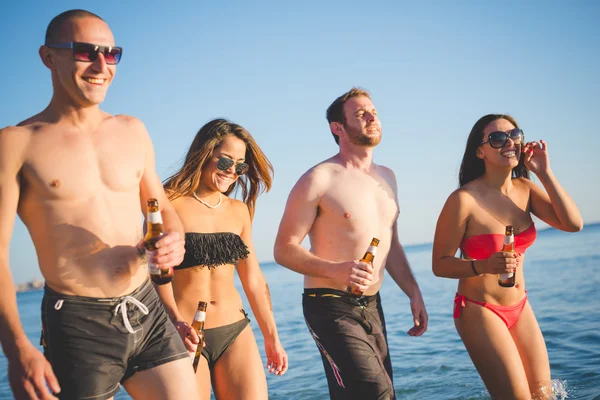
(368, 258)
(508, 279)
(155, 231)
(198, 326)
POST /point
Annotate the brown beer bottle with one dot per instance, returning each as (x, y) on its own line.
(198, 326)
(508, 279)
(367, 258)
(155, 232)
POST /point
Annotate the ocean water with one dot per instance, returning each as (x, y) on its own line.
(562, 281)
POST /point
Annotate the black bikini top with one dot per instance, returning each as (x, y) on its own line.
(213, 249)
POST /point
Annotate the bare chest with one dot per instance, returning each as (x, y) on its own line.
(493, 212)
(69, 165)
(196, 217)
(354, 202)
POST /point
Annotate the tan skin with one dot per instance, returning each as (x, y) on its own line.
(78, 177)
(238, 373)
(340, 224)
(485, 205)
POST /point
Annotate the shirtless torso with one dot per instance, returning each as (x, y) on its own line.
(354, 207)
(80, 200)
(79, 179)
(342, 204)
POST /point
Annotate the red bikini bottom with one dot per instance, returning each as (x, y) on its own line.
(509, 314)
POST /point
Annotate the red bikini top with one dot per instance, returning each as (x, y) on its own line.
(483, 246)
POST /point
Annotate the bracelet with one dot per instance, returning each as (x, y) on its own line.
(473, 267)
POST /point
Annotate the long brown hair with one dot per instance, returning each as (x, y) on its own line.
(472, 167)
(258, 179)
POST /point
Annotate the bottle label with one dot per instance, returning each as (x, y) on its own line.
(152, 268)
(155, 217)
(372, 249)
(200, 316)
(508, 241)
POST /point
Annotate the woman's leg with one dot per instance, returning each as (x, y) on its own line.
(530, 343)
(203, 379)
(239, 373)
(493, 352)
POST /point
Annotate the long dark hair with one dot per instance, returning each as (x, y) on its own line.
(258, 179)
(472, 167)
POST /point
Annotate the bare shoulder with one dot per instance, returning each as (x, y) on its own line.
(386, 171)
(238, 214)
(239, 208)
(129, 122)
(387, 174)
(461, 200)
(319, 176)
(15, 139)
(523, 184)
(131, 128)
(17, 132)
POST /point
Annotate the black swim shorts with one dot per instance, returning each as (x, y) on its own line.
(94, 344)
(350, 334)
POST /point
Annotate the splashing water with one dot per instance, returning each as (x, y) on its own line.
(559, 389)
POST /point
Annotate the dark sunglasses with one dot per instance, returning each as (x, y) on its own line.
(224, 163)
(498, 139)
(88, 52)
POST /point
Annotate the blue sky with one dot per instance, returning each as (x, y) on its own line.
(433, 68)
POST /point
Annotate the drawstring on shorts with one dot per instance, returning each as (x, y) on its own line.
(123, 306)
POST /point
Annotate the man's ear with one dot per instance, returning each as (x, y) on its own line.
(47, 57)
(336, 128)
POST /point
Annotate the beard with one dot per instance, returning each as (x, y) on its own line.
(356, 137)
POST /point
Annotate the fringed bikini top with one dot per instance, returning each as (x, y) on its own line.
(213, 249)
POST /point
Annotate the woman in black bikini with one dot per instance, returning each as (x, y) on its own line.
(222, 158)
(497, 324)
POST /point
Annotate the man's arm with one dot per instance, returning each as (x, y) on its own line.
(151, 186)
(299, 215)
(28, 369)
(398, 268)
(171, 248)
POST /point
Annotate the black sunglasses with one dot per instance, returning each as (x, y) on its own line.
(498, 139)
(88, 52)
(224, 163)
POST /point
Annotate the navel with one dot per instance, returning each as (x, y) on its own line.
(55, 184)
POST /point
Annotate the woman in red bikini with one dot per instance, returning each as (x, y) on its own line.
(497, 324)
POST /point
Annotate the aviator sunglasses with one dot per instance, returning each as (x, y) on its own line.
(498, 139)
(88, 52)
(224, 163)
